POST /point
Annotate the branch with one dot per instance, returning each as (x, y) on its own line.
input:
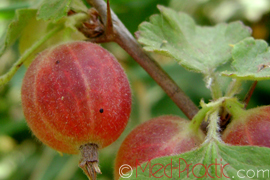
(124, 38)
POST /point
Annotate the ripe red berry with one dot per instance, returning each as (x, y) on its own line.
(76, 94)
(249, 127)
(161, 136)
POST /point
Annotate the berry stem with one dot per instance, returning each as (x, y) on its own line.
(234, 107)
(7, 77)
(89, 160)
(198, 118)
(124, 38)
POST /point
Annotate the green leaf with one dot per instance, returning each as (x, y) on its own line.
(38, 28)
(251, 60)
(78, 6)
(7, 76)
(212, 159)
(53, 9)
(197, 48)
(23, 16)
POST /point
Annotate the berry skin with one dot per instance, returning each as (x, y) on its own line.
(161, 136)
(76, 97)
(250, 127)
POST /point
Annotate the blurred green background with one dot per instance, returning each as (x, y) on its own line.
(22, 157)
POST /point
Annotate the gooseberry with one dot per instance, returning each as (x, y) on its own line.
(249, 127)
(162, 136)
(76, 97)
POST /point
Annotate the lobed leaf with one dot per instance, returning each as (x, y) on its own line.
(213, 160)
(251, 60)
(53, 10)
(197, 48)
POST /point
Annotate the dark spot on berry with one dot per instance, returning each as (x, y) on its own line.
(57, 62)
(101, 110)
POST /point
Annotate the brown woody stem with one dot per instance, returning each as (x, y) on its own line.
(124, 38)
(89, 160)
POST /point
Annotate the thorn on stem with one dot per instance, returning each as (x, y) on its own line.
(109, 24)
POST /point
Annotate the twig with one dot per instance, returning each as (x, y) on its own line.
(124, 38)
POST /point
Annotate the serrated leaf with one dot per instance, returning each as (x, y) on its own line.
(251, 60)
(53, 10)
(197, 48)
(22, 17)
(213, 160)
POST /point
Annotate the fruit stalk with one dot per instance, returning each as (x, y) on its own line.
(199, 117)
(234, 107)
(124, 38)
